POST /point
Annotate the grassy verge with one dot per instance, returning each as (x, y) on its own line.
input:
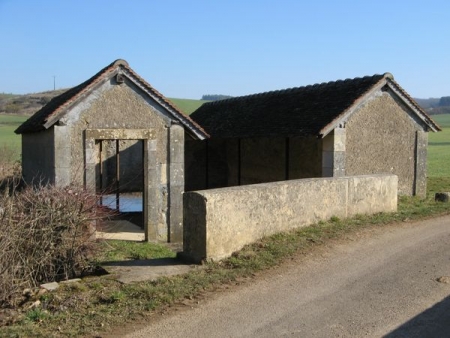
(116, 250)
(98, 303)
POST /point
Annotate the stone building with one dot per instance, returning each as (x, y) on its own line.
(114, 134)
(118, 136)
(358, 126)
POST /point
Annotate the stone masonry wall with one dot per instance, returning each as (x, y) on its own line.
(381, 138)
(125, 108)
(218, 222)
(116, 107)
(38, 157)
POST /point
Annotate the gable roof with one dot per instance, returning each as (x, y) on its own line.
(52, 112)
(311, 110)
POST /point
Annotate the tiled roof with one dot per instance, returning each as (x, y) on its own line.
(309, 110)
(59, 105)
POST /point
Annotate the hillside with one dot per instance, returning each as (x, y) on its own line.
(26, 104)
(30, 103)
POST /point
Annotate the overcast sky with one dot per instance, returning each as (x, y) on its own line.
(235, 47)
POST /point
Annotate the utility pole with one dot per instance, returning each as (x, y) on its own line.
(54, 82)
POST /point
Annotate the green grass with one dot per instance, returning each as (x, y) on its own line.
(187, 106)
(439, 148)
(443, 120)
(115, 250)
(10, 143)
(9, 123)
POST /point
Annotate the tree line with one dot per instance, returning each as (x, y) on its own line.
(215, 97)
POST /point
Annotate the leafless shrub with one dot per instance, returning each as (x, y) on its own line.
(46, 234)
(9, 164)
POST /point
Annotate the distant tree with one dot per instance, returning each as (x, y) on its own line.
(444, 101)
(215, 97)
(439, 110)
(428, 103)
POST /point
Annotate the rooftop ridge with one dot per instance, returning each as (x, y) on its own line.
(295, 89)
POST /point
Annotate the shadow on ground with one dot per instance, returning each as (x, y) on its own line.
(433, 322)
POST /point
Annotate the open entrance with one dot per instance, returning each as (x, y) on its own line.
(119, 166)
(119, 178)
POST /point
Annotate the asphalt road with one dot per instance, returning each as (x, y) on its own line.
(379, 282)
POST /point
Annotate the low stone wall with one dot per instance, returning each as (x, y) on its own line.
(219, 222)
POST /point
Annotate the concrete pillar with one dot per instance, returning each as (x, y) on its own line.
(176, 182)
(420, 170)
(333, 153)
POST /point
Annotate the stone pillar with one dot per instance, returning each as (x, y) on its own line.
(90, 161)
(333, 153)
(176, 183)
(420, 170)
(151, 191)
(63, 156)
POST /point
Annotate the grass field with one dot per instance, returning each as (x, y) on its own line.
(187, 106)
(8, 123)
(439, 148)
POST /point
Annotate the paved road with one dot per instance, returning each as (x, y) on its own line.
(381, 282)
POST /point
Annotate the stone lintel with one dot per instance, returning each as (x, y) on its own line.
(120, 134)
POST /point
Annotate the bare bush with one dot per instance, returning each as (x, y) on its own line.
(9, 164)
(46, 234)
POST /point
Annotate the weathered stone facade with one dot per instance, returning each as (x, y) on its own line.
(38, 157)
(114, 133)
(381, 138)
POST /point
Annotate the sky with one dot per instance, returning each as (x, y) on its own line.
(186, 49)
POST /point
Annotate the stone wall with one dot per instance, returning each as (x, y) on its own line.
(115, 107)
(151, 151)
(38, 157)
(121, 107)
(381, 138)
(218, 222)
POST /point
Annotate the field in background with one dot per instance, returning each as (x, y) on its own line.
(439, 148)
(187, 106)
(8, 123)
(438, 143)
